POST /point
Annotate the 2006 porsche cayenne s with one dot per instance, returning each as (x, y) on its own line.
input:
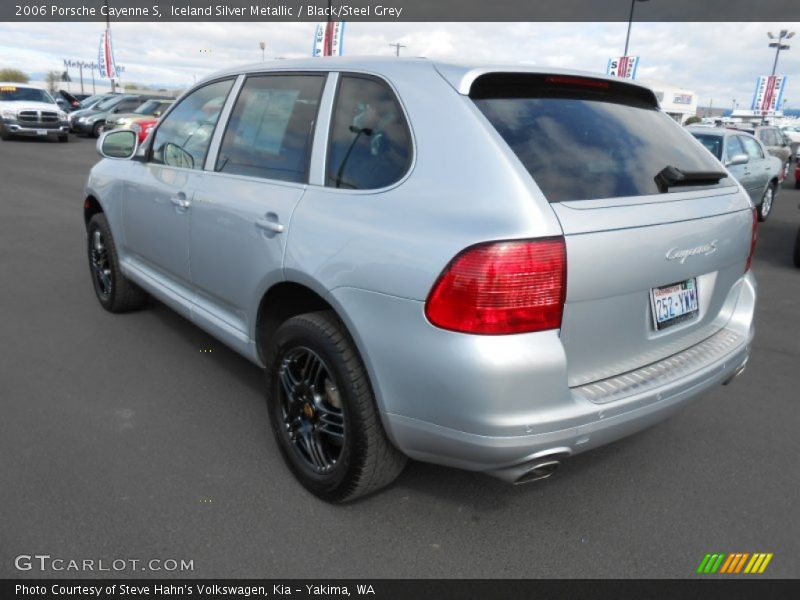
(491, 268)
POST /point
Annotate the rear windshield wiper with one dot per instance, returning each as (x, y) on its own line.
(671, 176)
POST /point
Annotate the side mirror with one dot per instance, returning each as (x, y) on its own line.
(738, 159)
(120, 144)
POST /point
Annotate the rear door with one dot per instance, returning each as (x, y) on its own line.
(652, 261)
(241, 214)
(759, 167)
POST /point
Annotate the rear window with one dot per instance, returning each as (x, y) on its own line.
(713, 143)
(584, 139)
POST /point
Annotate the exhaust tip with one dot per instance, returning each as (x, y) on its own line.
(740, 369)
(540, 470)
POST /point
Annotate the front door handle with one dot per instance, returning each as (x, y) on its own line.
(180, 200)
(270, 223)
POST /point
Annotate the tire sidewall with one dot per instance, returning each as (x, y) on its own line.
(99, 222)
(292, 335)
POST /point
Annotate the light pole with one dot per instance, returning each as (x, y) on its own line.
(397, 47)
(263, 47)
(630, 21)
(779, 45)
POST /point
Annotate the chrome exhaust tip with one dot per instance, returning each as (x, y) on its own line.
(538, 471)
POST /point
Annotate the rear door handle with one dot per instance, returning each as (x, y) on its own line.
(180, 200)
(270, 223)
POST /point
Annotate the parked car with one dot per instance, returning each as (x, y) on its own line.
(747, 160)
(30, 111)
(792, 133)
(145, 112)
(797, 175)
(67, 101)
(143, 127)
(91, 101)
(777, 145)
(487, 268)
(93, 121)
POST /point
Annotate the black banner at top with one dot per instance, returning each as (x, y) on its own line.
(778, 11)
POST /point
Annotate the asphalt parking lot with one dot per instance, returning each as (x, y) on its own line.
(141, 437)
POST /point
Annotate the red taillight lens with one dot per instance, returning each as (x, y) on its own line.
(576, 81)
(501, 288)
(753, 240)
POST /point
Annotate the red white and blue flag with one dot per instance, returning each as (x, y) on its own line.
(328, 39)
(623, 66)
(105, 57)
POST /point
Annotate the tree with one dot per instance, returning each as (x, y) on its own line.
(692, 120)
(52, 78)
(14, 75)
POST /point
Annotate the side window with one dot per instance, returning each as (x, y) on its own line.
(767, 137)
(752, 147)
(270, 129)
(370, 142)
(183, 137)
(733, 147)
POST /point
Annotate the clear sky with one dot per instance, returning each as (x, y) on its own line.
(719, 61)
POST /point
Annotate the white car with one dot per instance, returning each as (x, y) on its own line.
(793, 133)
(30, 111)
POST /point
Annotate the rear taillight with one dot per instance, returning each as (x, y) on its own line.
(753, 240)
(502, 288)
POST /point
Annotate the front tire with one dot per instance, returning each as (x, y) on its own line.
(765, 207)
(97, 129)
(63, 139)
(323, 411)
(114, 291)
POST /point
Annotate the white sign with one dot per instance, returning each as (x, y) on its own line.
(328, 39)
(768, 96)
(623, 66)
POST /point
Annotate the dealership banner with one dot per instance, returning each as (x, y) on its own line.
(105, 57)
(328, 39)
(768, 96)
(623, 66)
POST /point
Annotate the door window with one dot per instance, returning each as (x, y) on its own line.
(733, 147)
(271, 127)
(370, 142)
(752, 147)
(182, 139)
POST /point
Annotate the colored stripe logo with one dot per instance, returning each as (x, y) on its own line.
(735, 563)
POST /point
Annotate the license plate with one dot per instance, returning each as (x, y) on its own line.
(674, 303)
(41, 132)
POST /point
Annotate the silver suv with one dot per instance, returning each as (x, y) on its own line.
(487, 268)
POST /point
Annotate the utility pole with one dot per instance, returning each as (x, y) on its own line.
(263, 46)
(397, 47)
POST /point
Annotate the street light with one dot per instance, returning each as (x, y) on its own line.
(397, 47)
(779, 45)
(630, 21)
(263, 46)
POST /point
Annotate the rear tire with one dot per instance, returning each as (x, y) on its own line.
(323, 411)
(765, 206)
(114, 291)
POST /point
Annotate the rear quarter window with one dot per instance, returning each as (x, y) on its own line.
(583, 138)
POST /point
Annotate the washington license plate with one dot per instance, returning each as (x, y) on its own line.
(675, 303)
(41, 132)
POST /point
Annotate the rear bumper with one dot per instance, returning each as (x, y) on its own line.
(495, 404)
